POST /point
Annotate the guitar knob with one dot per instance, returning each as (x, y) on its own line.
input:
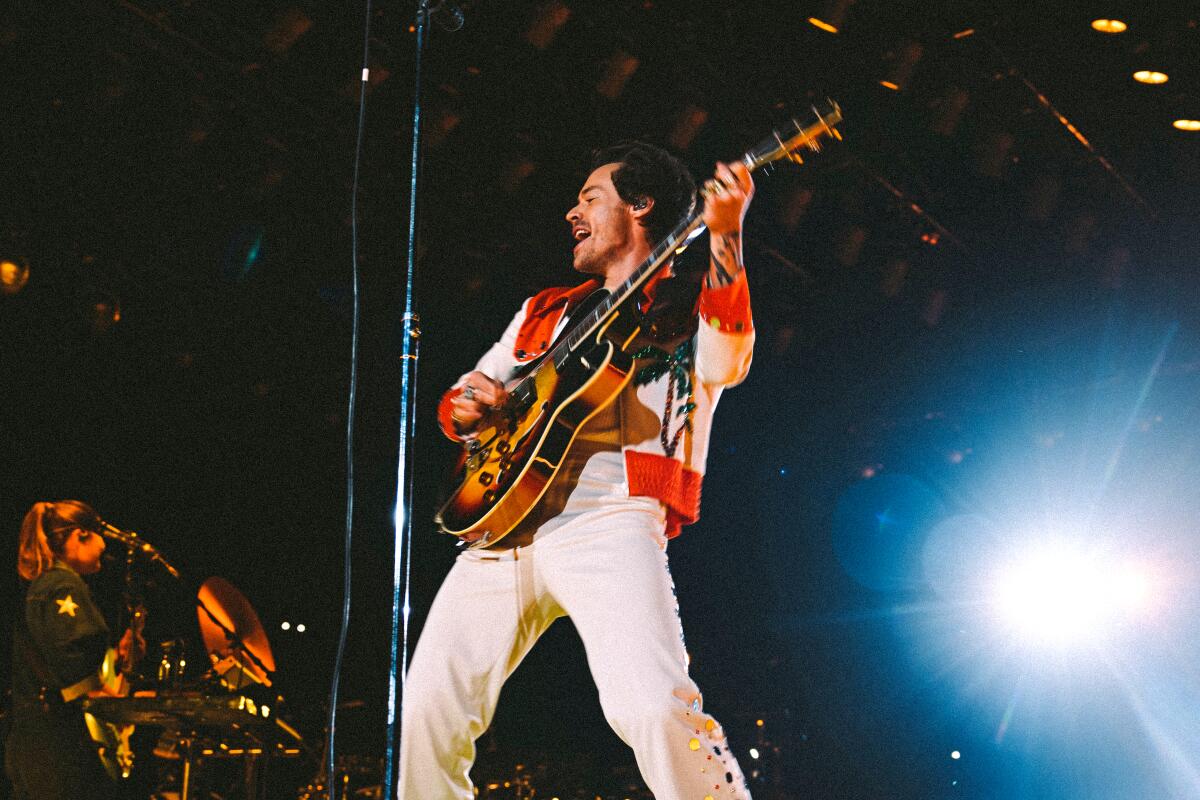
(489, 496)
(503, 446)
(485, 478)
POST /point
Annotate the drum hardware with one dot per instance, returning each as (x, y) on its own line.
(171, 664)
(229, 715)
(233, 636)
(356, 776)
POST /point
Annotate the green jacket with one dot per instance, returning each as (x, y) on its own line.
(69, 637)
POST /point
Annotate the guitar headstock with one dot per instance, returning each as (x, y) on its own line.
(796, 138)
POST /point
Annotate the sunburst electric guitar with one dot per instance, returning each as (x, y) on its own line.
(516, 453)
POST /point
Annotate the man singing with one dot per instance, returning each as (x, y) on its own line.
(594, 547)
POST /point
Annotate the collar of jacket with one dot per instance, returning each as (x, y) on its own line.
(547, 307)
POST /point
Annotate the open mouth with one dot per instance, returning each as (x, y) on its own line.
(580, 235)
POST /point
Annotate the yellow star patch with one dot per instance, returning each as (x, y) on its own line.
(67, 606)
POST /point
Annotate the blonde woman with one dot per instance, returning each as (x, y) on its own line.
(61, 652)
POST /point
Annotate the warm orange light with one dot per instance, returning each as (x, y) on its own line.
(13, 275)
(822, 24)
(964, 34)
(1149, 76)
(1187, 124)
(1109, 25)
(889, 85)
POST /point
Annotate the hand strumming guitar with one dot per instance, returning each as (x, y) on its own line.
(478, 397)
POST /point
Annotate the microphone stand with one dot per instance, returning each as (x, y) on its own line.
(136, 543)
(237, 645)
(410, 339)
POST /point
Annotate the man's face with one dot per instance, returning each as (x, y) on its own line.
(604, 226)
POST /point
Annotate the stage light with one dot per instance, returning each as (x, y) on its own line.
(754, 752)
(1109, 25)
(889, 85)
(1058, 595)
(287, 626)
(955, 755)
(1187, 124)
(14, 274)
(1150, 76)
(300, 628)
(822, 24)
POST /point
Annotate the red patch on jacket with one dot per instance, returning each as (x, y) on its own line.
(546, 308)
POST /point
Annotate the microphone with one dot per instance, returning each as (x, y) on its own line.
(134, 542)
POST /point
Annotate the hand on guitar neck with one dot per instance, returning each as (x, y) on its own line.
(130, 650)
(726, 195)
(479, 396)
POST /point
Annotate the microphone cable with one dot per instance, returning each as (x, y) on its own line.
(330, 774)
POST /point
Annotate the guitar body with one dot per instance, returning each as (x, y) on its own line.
(113, 740)
(112, 745)
(507, 468)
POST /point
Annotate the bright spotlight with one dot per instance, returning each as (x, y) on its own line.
(1058, 595)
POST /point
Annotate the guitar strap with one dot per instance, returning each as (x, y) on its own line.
(581, 309)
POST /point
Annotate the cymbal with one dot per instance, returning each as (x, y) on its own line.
(234, 611)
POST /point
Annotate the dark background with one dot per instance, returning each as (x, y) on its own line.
(962, 310)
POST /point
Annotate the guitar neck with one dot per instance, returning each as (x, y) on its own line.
(137, 624)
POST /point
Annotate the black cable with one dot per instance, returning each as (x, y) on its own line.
(330, 774)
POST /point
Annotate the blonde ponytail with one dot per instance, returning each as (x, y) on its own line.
(44, 530)
(34, 555)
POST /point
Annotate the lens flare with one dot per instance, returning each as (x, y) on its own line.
(1060, 595)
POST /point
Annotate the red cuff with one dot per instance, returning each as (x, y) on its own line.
(727, 308)
(443, 415)
(667, 480)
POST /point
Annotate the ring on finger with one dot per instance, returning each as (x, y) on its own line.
(469, 392)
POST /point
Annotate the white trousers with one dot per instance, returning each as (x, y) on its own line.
(608, 572)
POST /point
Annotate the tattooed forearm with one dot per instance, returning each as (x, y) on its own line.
(725, 259)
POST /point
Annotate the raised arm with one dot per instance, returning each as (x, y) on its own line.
(725, 341)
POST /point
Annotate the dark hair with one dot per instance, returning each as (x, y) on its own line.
(649, 171)
(45, 530)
